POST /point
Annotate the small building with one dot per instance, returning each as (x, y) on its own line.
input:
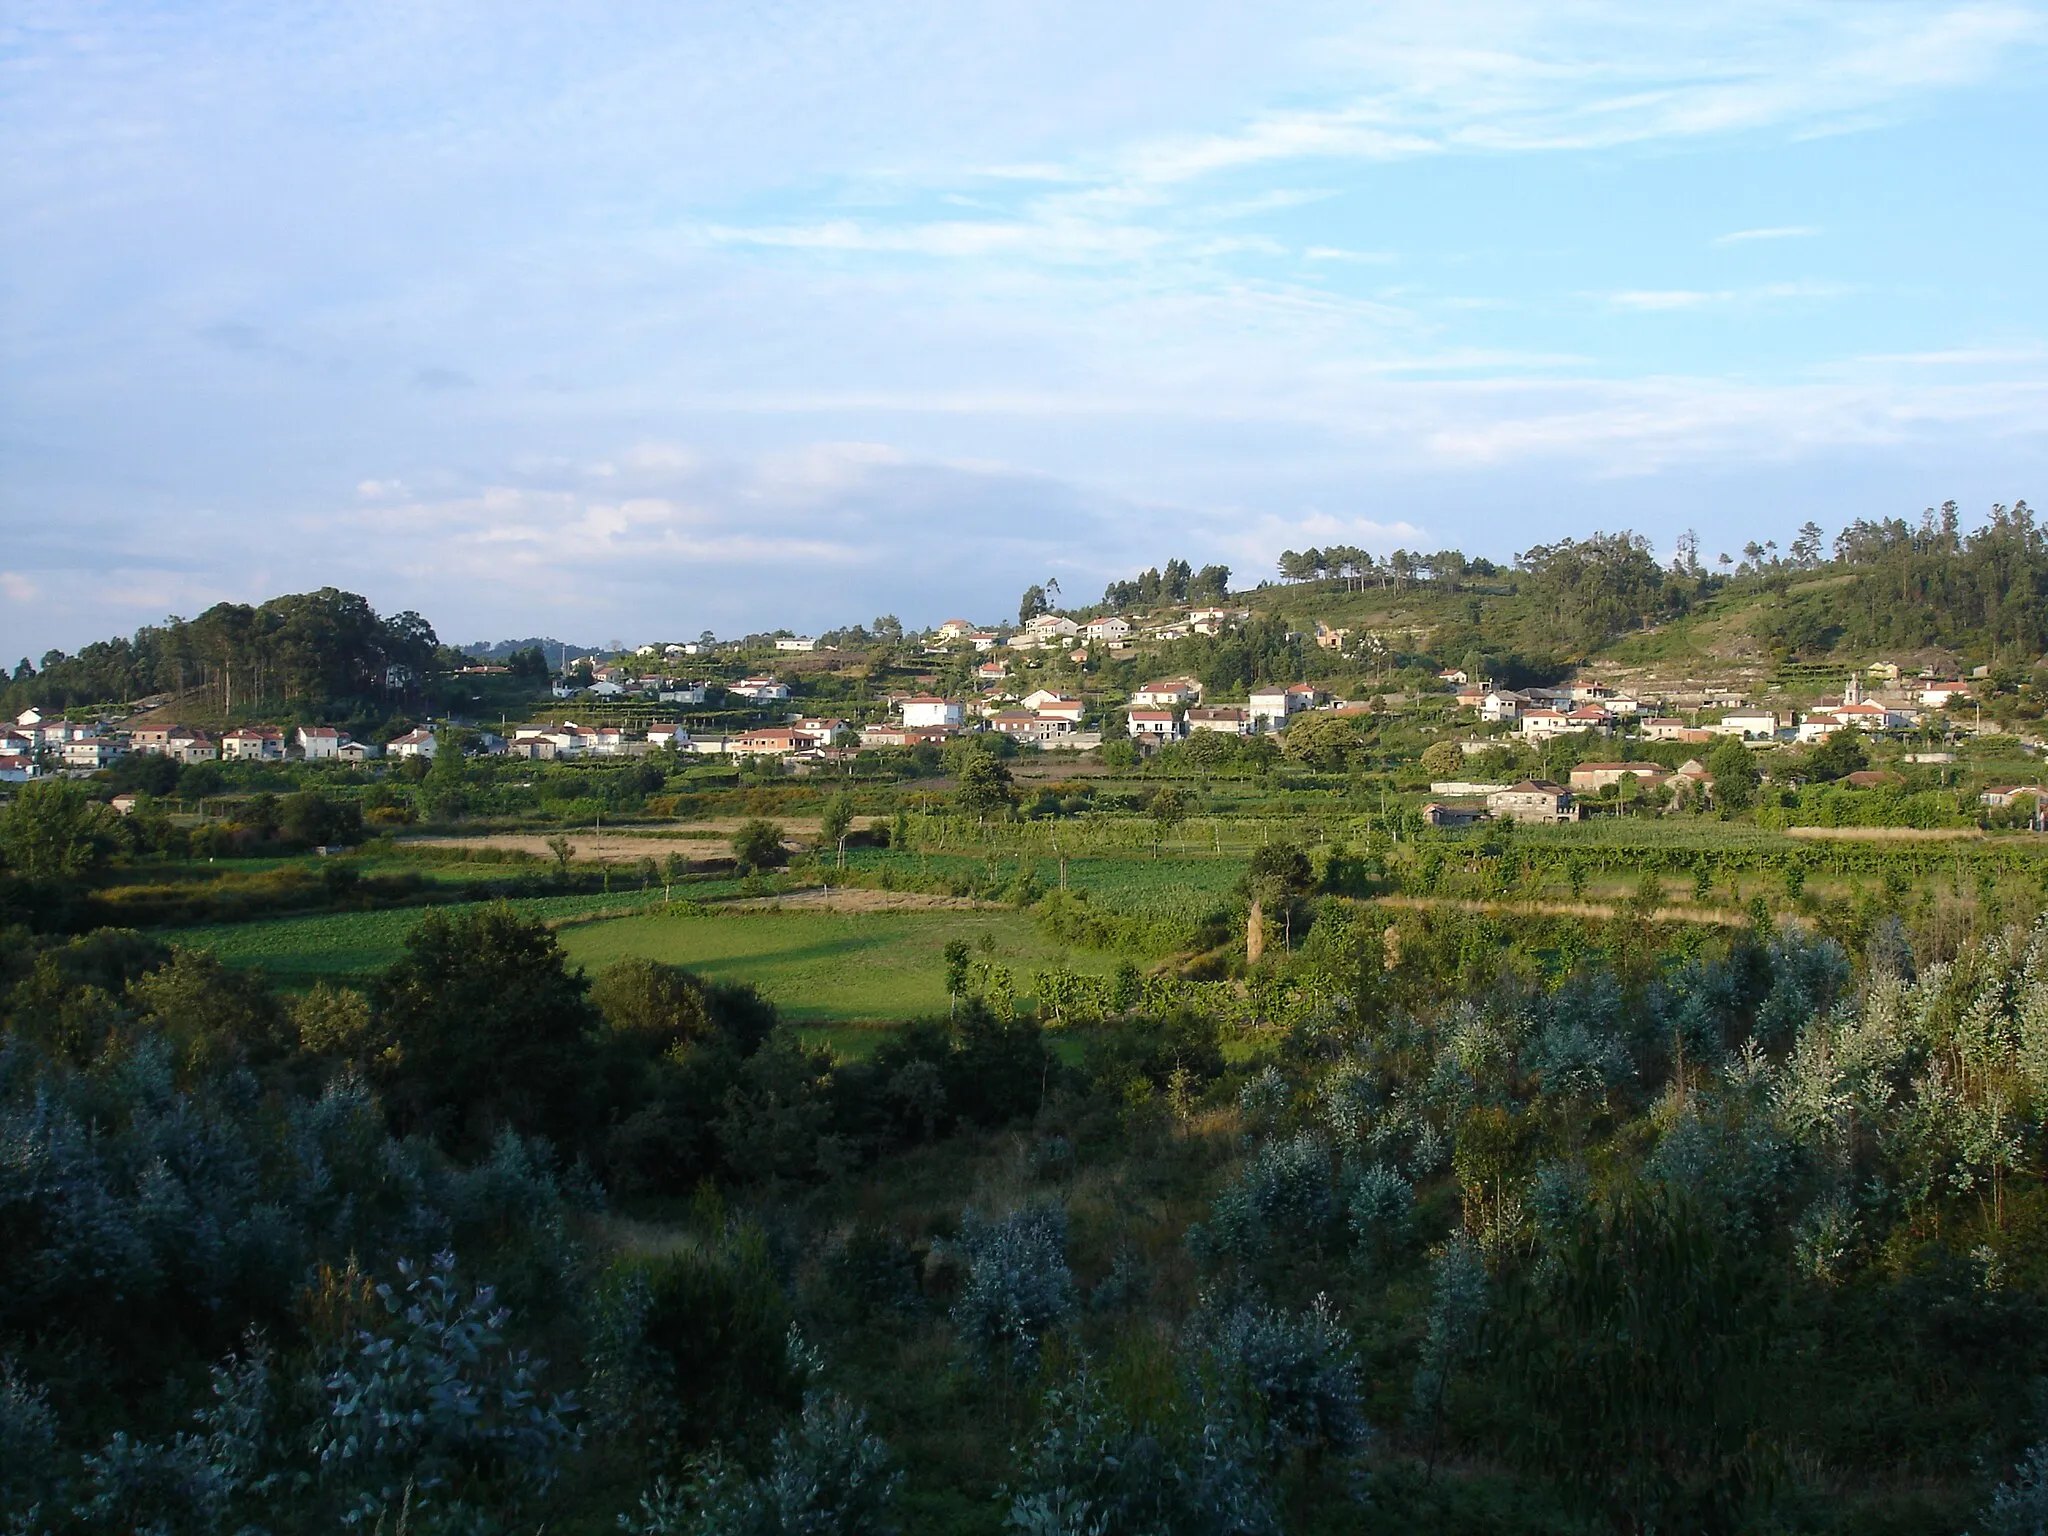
(1168, 693)
(1270, 707)
(93, 752)
(1154, 724)
(992, 671)
(1939, 693)
(253, 744)
(769, 743)
(1109, 631)
(668, 735)
(414, 744)
(1440, 813)
(930, 711)
(189, 746)
(1749, 724)
(2001, 796)
(681, 693)
(1533, 800)
(357, 752)
(1030, 725)
(1045, 702)
(1222, 718)
(759, 689)
(955, 629)
(318, 742)
(1593, 777)
(796, 643)
(1541, 724)
(16, 767)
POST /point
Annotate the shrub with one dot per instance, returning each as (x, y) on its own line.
(1297, 1379)
(1018, 1286)
(1283, 1195)
(1098, 1467)
(691, 1347)
(757, 846)
(428, 1406)
(1380, 1206)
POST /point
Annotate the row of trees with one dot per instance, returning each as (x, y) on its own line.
(1179, 582)
(1357, 568)
(312, 648)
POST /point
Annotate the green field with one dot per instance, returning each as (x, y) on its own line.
(820, 968)
(1132, 885)
(831, 967)
(298, 951)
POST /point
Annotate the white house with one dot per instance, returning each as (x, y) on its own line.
(92, 752)
(930, 711)
(759, 688)
(797, 643)
(1498, 705)
(1749, 724)
(1047, 625)
(1939, 693)
(1155, 724)
(1220, 718)
(256, 744)
(955, 629)
(16, 767)
(1109, 631)
(1045, 702)
(318, 742)
(413, 744)
(1270, 707)
(681, 693)
(1541, 724)
(668, 735)
(1168, 693)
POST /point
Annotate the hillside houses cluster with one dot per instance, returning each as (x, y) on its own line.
(1537, 714)
(1054, 631)
(33, 744)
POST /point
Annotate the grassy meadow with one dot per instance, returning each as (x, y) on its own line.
(824, 968)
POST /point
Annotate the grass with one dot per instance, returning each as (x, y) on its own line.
(345, 946)
(838, 975)
(832, 968)
(1135, 885)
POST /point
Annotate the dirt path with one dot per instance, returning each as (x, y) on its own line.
(706, 838)
(1889, 834)
(1707, 915)
(853, 898)
(598, 847)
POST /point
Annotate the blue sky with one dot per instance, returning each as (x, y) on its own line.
(627, 320)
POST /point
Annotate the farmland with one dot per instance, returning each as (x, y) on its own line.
(830, 967)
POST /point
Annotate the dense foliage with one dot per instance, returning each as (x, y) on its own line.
(323, 648)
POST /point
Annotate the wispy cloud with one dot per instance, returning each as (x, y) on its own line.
(1654, 299)
(1780, 232)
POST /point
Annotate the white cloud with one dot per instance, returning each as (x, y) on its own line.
(1664, 298)
(1781, 232)
(17, 588)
